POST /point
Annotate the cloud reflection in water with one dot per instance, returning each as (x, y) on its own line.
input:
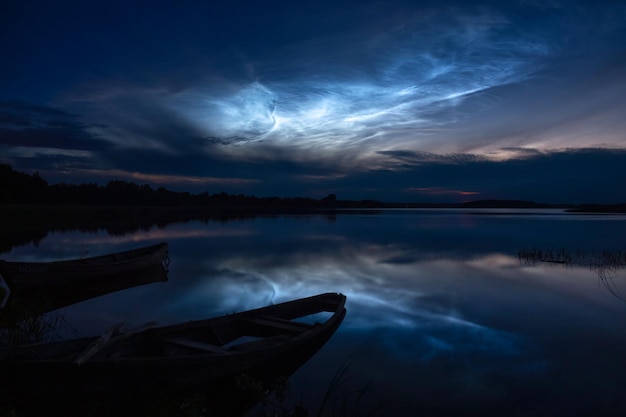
(437, 305)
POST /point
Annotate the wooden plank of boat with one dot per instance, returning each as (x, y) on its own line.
(111, 336)
(280, 324)
(24, 275)
(187, 357)
(195, 344)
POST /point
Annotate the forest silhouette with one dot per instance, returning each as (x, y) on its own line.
(21, 188)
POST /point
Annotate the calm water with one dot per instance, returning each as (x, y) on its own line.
(443, 318)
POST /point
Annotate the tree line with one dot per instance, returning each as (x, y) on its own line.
(21, 188)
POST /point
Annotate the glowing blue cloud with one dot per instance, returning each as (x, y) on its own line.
(415, 79)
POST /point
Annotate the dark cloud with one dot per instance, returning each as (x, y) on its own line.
(411, 158)
(574, 176)
(143, 121)
(571, 175)
(28, 125)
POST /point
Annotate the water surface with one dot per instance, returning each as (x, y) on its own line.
(443, 317)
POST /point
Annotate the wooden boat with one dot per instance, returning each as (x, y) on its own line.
(29, 289)
(25, 275)
(197, 356)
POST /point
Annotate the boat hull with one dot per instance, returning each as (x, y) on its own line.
(154, 361)
(32, 289)
(24, 275)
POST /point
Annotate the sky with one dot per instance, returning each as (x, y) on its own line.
(406, 101)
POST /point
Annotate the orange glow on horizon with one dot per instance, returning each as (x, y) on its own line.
(439, 191)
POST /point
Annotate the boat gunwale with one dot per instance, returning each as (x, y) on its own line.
(93, 267)
(160, 335)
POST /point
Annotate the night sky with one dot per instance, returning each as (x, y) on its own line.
(417, 101)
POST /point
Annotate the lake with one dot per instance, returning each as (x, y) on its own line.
(444, 318)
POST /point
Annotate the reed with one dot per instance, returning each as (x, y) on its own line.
(340, 399)
(608, 259)
(606, 263)
(39, 329)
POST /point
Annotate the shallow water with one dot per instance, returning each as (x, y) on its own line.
(443, 317)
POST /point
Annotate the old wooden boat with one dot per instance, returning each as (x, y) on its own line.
(25, 275)
(30, 289)
(23, 304)
(196, 356)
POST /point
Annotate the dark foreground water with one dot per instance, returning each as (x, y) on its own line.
(443, 317)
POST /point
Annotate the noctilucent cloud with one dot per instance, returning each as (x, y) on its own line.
(390, 100)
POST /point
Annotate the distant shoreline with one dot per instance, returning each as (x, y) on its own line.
(278, 205)
(599, 208)
(338, 206)
(34, 195)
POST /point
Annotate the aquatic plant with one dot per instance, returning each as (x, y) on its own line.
(609, 259)
(605, 263)
(39, 329)
(340, 400)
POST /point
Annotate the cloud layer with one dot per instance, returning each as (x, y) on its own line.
(321, 96)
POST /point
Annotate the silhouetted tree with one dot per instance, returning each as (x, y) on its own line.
(19, 187)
